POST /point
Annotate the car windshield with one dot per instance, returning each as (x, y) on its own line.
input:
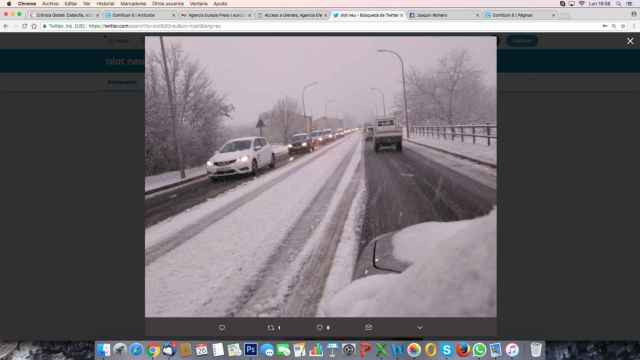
(300, 137)
(388, 122)
(236, 146)
(316, 133)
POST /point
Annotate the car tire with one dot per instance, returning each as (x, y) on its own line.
(213, 179)
(272, 164)
(399, 147)
(376, 147)
(254, 167)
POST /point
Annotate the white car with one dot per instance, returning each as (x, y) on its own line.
(241, 156)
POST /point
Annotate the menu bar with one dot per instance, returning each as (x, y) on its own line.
(338, 15)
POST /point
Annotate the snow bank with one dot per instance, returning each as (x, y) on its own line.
(479, 151)
(453, 275)
(156, 181)
(483, 174)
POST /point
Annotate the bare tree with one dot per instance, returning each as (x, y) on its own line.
(183, 111)
(283, 119)
(454, 69)
(284, 110)
(451, 94)
(170, 84)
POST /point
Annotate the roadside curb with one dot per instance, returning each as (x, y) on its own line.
(193, 179)
(478, 161)
(173, 184)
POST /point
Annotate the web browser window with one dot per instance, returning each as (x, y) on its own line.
(439, 178)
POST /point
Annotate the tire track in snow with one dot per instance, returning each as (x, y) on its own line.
(306, 291)
(257, 298)
(156, 251)
(296, 273)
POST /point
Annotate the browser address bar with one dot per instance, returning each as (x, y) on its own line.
(312, 26)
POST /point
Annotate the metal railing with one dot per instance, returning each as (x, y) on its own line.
(476, 132)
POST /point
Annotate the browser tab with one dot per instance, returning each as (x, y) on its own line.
(126, 15)
(61, 14)
(291, 15)
(443, 14)
(524, 14)
(217, 15)
(350, 15)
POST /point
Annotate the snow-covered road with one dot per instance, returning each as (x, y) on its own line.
(226, 246)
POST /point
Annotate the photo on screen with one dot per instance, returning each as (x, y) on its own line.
(320, 176)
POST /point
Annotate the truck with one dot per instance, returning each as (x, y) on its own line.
(369, 129)
(388, 132)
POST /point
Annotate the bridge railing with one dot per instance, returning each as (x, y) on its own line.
(464, 133)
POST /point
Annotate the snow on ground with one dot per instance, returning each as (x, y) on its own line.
(165, 229)
(344, 261)
(156, 181)
(320, 233)
(481, 173)
(479, 151)
(454, 274)
(203, 276)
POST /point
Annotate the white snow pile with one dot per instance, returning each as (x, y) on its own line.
(453, 274)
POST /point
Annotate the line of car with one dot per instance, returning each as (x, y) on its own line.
(308, 142)
(248, 155)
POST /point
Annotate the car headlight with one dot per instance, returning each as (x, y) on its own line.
(209, 163)
(243, 158)
(290, 145)
(304, 144)
(320, 139)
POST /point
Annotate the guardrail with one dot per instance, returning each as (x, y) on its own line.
(451, 132)
(174, 184)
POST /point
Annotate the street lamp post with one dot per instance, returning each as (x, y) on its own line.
(404, 86)
(304, 108)
(384, 106)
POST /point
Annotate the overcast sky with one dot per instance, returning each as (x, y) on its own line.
(255, 71)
